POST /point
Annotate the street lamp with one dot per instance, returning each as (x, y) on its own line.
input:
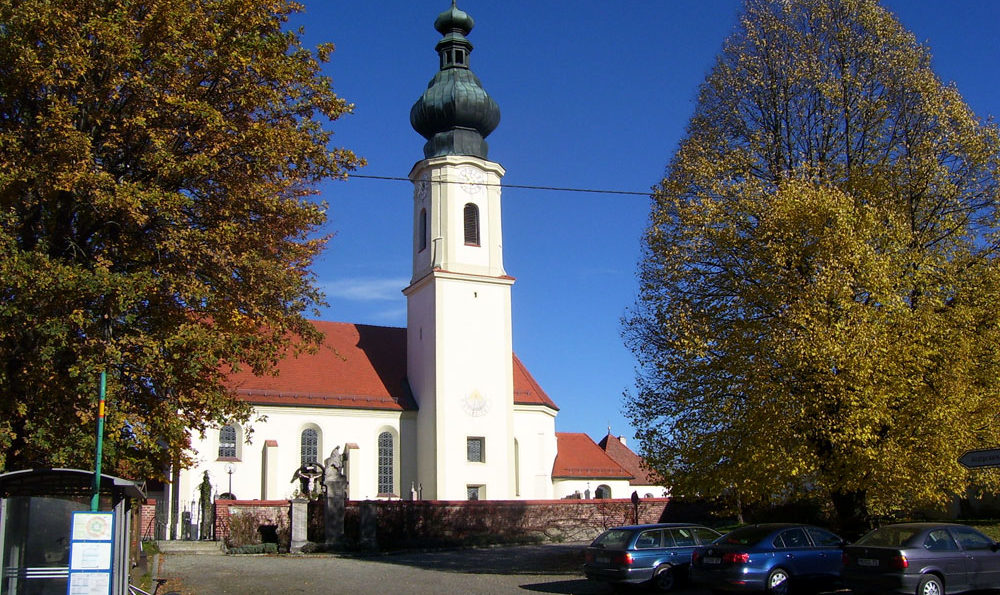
(229, 469)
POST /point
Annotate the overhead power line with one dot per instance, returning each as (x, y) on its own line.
(520, 186)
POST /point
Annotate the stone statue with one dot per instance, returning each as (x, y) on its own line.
(335, 462)
(205, 503)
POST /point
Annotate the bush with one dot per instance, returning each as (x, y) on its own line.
(243, 531)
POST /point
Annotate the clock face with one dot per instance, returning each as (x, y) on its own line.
(472, 179)
(422, 188)
(476, 404)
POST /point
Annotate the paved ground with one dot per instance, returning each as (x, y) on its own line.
(551, 568)
(539, 568)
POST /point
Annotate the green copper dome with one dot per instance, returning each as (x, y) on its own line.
(455, 114)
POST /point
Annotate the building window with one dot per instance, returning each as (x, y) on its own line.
(227, 442)
(471, 225)
(423, 231)
(475, 492)
(385, 463)
(475, 449)
(602, 492)
(310, 447)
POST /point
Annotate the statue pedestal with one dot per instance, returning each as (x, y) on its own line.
(369, 516)
(333, 513)
(300, 521)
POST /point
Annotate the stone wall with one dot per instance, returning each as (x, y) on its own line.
(407, 524)
(437, 523)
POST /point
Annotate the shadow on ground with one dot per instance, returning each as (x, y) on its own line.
(526, 559)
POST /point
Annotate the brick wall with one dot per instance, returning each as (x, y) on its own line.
(147, 520)
(266, 510)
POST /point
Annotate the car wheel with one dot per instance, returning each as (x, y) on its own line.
(777, 581)
(665, 579)
(930, 585)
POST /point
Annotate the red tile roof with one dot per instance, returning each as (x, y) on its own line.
(579, 457)
(357, 366)
(630, 461)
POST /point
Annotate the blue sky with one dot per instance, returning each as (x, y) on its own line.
(593, 94)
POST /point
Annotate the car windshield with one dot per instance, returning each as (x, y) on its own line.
(613, 538)
(889, 537)
(745, 536)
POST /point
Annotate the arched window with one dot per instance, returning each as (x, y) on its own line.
(602, 492)
(309, 450)
(423, 231)
(471, 216)
(386, 483)
(227, 442)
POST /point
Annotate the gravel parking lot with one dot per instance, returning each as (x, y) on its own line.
(533, 568)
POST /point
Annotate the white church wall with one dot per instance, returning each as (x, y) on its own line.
(534, 431)
(280, 436)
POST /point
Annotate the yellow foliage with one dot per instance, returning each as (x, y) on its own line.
(817, 301)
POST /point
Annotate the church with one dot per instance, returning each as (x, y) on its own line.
(442, 409)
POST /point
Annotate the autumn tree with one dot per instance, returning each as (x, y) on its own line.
(817, 310)
(156, 164)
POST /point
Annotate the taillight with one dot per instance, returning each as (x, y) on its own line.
(695, 556)
(845, 559)
(589, 557)
(623, 559)
(735, 558)
(899, 562)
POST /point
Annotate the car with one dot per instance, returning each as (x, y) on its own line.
(922, 558)
(768, 557)
(655, 554)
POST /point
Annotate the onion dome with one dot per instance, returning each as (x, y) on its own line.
(454, 114)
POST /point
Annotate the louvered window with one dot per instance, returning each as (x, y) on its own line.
(471, 225)
(475, 448)
(227, 442)
(310, 447)
(385, 462)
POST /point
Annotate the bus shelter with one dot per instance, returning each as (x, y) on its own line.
(38, 508)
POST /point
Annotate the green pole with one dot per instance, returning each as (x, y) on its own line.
(95, 499)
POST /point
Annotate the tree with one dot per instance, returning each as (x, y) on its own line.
(817, 292)
(156, 165)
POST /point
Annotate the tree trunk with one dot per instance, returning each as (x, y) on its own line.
(852, 513)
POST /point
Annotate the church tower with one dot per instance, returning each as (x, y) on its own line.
(459, 347)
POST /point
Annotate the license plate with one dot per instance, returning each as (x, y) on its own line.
(711, 560)
(867, 562)
(603, 559)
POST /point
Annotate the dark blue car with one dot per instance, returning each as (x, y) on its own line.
(768, 558)
(655, 554)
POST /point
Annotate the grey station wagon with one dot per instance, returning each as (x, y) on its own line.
(656, 554)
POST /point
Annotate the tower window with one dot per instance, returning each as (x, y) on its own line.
(475, 492)
(471, 214)
(475, 448)
(422, 242)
